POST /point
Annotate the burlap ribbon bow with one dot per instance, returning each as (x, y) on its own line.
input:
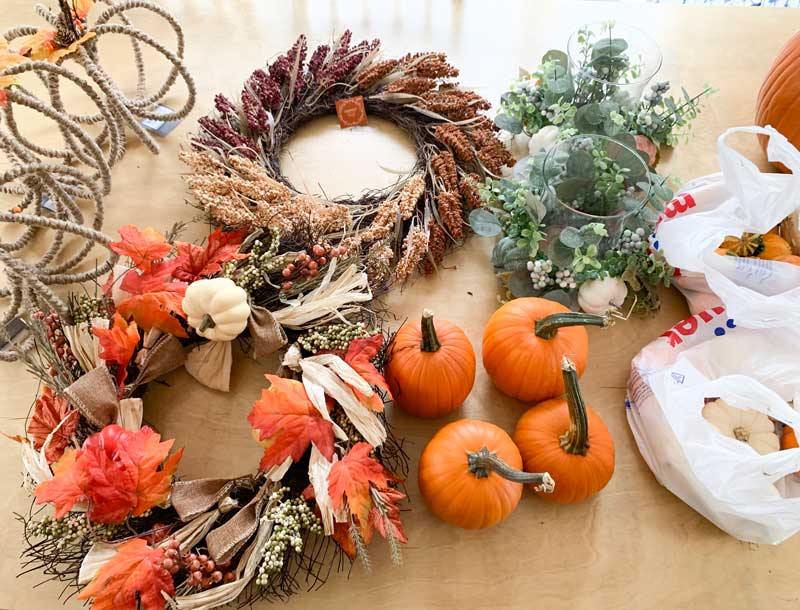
(192, 498)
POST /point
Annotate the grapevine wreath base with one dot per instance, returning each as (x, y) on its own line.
(281, 271)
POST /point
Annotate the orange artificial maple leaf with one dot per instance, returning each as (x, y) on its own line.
(287, 420)
(48, 412)
(142, 247)
(350, 479)
(135, 573)
(81, 8)
(119, 472)
(359, 356)
(42, 45)
(7, 60)
(198, 262)
(341, 536)
(118, 344)
(153, 299)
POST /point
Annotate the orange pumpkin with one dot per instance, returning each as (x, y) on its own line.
(768, 246)
(523, 344)
(469, 474)
(789, 439)
(569, 440)
(777, 103)
(431, 367)
(789, 258)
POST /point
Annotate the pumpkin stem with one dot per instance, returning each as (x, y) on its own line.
(482, 463)
(430, 342)
(207, 322)
(547, 327)
(576, 439)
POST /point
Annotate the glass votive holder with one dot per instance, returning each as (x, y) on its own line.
(610, 61)
(592, 179)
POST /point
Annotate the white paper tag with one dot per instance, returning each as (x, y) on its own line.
(159, 127)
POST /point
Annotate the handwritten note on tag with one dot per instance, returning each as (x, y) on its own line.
(351, 112)
(161, 128)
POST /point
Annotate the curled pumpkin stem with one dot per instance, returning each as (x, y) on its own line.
(207, 322)
(576, 439)
(482, 463)
(547, 327)
(430, 342)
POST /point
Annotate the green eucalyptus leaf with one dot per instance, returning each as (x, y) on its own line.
(516, 259)
(580, 165)
(560, 254)
(535, 206)
(559, 296)
(484, 223)
(609, 46)
(510, 124)
(571, 237)
(557, 57)
(569, 189)
(520, 284)
(500, 251)
(610, 128)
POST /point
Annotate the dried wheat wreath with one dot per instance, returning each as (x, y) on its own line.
(281, 271)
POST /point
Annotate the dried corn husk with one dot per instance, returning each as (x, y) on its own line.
(318, 470)
(99, 554)
(130, 413)
(211, 363)
(324, 375)
(328, 301)
(84, 345)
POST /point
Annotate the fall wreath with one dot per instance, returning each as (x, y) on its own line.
(282, 270)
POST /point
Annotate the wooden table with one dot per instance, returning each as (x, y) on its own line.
(634, 545)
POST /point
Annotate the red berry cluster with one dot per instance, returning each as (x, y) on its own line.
(55, 336)
(308, 265)
(203, 571)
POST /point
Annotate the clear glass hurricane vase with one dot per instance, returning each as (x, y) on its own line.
(610, 61)
(591, 180)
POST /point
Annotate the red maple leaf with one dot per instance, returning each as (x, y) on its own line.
(386, 519)
(350, 478)
(198, 262)
(142, 247)
(48, 412)
(135, 572)
(153, 299)
(359, 356)
(287, 422)
(341, 535)
(121, 473)
(118, 344)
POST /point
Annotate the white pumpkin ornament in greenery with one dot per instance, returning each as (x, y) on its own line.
(517, 144)
(543, 139)
(217, 308)
(749, 426)
(603, 295)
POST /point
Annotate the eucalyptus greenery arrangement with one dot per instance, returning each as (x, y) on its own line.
(597, 159)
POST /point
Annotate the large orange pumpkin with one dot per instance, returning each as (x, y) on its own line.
(523, 344)
(431, 367)
(469, 474)
(792, 259)
(778, 103)
(569, 440)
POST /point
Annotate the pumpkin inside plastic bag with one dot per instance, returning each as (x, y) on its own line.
(751, 495)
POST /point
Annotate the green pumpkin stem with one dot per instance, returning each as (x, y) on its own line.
(207, 322)
(576, 439)
(430, 342)
(547, 327)
(482, 463)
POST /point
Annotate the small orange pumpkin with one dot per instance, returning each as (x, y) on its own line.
(569, 440)
(777, 100)
(469, 474)
(789, 258)
(524, 341)
(431, 367)
(789, 439)
(768, 246)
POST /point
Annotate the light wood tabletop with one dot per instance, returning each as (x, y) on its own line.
(634, 545)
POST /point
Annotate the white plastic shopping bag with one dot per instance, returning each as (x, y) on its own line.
(753, 497)
(757, 293)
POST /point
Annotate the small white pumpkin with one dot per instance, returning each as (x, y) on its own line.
(543, 139)
(603, 295)
(517, 144)
(217, 308)
(749, 426)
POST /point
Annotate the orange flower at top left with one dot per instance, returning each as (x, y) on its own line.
(8, 59)
(42, 46)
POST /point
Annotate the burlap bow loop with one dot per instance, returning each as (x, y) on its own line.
(268, 335)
